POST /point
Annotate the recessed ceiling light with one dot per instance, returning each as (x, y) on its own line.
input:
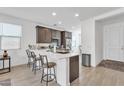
(54, 14)
(60, 22)
(76, 14)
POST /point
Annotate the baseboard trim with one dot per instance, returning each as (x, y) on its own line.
(18, 65)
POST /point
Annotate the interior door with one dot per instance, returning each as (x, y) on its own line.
(114, 42)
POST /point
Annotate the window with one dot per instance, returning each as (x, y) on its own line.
(76, 40)
(10, 36)
(0, 28)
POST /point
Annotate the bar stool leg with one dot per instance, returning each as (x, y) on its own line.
(42, 75)
(39, 65)
(50, 73)
(33, 67)
(47, 78)
(29, 62)
(55, 74)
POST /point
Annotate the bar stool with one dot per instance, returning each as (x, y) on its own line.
(48, 66)
(29, 57)
(36, 60)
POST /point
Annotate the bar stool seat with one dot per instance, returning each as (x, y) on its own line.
(49, 65)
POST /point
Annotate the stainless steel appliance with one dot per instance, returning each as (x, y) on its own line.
(68, 44)
(86, 58)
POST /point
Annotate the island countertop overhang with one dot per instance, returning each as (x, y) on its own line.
(54, 55)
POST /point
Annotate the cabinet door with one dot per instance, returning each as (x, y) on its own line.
(41, 35)
(48, 36)
(58, 34)
(53, 34)
(68, 35)
(44, 35)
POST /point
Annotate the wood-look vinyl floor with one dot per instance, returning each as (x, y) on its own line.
(99, 76)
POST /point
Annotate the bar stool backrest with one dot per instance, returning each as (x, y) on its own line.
(28, 53)
(43, 59)
(33, 56)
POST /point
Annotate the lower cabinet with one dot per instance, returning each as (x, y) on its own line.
(74, 68)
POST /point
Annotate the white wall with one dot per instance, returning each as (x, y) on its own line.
(98, 42)
(92, 42)
(88, 39)
(28, 37)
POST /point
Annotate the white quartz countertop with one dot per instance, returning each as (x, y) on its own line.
(55, 56)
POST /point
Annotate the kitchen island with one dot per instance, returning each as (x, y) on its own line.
(67, 68)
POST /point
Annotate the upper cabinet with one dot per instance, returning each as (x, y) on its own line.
(68, 35)
(44, 35)
(48, 35)
(56, 34)
(64, 36)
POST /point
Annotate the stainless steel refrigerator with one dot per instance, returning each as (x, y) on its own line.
(68, 44)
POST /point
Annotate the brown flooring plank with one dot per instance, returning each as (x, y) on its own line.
(88, 76)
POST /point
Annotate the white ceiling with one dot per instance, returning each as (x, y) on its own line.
(65, 15)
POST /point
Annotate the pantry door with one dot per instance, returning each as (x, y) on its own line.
(114, 42)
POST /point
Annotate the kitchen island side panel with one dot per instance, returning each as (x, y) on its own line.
(73, 68)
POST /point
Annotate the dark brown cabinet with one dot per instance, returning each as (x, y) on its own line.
(63, 40)
(56, 34)
(68, 35)
(74, 68)
(43, 35)
(48, 35)
(65, 35)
